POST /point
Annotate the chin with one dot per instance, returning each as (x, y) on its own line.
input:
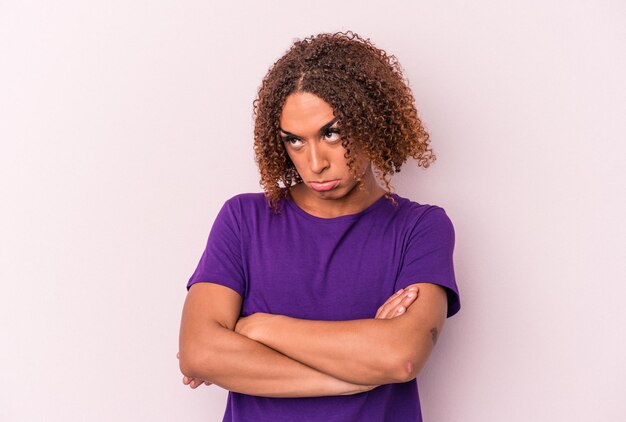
(340, 192)
(328, 194)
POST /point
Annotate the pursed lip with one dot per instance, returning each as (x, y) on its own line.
(325, 185)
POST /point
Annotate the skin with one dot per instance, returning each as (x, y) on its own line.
(319, 156)
(393, 307)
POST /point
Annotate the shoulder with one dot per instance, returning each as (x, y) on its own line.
(247, 199)
(416, 215)
(247, 205)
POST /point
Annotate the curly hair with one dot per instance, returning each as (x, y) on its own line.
(366, 89)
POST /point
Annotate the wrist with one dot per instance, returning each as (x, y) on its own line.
(348, 388)
(261, 327)
(270, 324)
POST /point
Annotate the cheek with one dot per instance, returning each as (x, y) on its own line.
(292, 157)
(339, 159)
(360, 164)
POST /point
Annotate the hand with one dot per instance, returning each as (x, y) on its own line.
(397, 304)
(192, 382)
(252, 325)
(365, 388)
(355, 388)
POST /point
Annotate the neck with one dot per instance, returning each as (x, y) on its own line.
(359, 198)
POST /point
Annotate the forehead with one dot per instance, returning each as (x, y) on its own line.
(303, 109)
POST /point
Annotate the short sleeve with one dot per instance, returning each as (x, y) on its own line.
(221, 261)
(429, 256)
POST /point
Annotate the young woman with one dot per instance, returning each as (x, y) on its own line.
(292, 305)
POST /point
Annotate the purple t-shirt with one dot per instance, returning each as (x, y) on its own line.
(341, 268)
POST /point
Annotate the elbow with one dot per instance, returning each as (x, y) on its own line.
(414, 355)
(407, 369)
(409, 364)
(401, 368)
(186, 364)
(194, 364)
(199, 354)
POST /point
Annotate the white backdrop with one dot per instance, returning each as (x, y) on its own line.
(125, 125)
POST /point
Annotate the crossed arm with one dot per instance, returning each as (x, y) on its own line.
(263, 354)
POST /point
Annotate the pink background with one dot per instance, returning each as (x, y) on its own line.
(125, 125)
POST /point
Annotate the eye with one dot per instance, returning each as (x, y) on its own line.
(332, 135)
(294, 142)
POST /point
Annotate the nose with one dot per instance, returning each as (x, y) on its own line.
(318, 160)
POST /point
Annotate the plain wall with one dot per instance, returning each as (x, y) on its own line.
(125, 125)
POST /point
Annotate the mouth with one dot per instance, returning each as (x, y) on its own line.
(324, 186)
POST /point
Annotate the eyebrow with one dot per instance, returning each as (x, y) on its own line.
(322, 129)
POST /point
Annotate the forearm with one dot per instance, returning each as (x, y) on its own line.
(237, 363)
(363, 351)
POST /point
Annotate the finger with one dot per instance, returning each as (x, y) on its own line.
(393, 301)
(392, 297)
(207, 383)
(404, 304)
(392, 304)
(398, 305)
(189, 380)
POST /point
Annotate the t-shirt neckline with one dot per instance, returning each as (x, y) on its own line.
(348, 217)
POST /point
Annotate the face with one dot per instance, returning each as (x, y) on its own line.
(312, 138)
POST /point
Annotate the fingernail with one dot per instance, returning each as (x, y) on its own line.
(400, 309)
(410, 295)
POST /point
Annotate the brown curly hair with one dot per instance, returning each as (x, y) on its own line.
(367, 91)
